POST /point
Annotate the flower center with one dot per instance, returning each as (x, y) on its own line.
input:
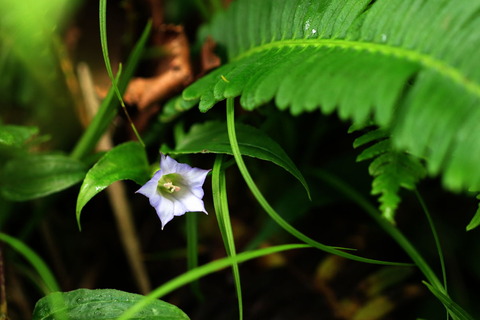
(170, 187)
(169, 183)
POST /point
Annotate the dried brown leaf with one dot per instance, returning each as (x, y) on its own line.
(174, 70)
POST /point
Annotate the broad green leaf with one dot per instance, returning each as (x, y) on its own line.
(39, 175)
(127, 161)
(410, 66)
(102, 304)
(212, 137)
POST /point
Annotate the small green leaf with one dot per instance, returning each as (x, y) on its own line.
(39, 175)
(127, 161)
(101, 304)
(11, 135)
(174, 107)
(14, 141)
(212, 137)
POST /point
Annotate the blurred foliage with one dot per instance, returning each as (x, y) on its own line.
(35, 66)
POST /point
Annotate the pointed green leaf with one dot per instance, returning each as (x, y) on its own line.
(102, 304)
(39, 175)
(212, 137)
(127, 161)
(476, 218)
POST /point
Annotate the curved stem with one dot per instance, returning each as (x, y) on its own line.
(271, 212)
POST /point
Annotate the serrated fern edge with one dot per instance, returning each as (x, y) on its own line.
(425, 60)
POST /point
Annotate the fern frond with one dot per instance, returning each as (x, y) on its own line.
(411, 66)
(390, 168)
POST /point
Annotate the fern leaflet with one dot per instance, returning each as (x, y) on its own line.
(391, 170)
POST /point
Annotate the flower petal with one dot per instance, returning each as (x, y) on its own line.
(196, 178)
(168, 165)
(165, 210)
(150, 188)
(191, 203)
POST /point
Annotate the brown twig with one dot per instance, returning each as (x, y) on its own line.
(3, 294)
(117, 194)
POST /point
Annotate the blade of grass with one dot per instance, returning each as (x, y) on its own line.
(204, 270)
(272, 213)
(435, 237)
(454, 309)
(34, 259)
(106, 57)
(108, 108)
(220, 200)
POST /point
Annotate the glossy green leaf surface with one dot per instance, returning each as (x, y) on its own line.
(212, 137)
(102, 304)
(408, 65)
(127, 161)
(39, 175)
